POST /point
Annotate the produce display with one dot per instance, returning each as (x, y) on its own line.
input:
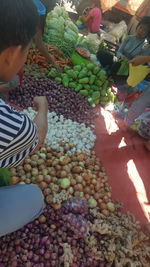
(90, 42)
(60, 31)
(61, 131)
(61, 176)
(89, 80)
(75, 230)
(81, 225)
(34, 57)
(61, 100)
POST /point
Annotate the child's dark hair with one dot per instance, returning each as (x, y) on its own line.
(145, 21)
(18, 23)
(97, 3)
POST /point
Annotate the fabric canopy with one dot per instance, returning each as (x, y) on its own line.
(128, 6)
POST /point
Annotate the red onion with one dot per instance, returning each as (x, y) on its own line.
(63, 101)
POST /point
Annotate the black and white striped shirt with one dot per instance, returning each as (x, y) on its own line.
(18, 136)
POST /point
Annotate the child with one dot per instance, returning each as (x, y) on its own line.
(19, 136)
(92, 19)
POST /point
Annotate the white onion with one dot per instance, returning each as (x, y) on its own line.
(68, 131)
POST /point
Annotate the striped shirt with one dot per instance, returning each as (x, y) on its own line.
(18, 136)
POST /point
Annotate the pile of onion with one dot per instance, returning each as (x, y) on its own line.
(63, 101)
(61, 176)
(80, 226)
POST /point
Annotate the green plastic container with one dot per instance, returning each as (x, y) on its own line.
(76, 59)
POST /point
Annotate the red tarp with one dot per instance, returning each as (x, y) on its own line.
(127, 164)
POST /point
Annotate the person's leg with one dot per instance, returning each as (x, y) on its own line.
(138, 107)
(19, 205)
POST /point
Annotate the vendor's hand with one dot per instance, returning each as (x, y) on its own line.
(40, 103)
(58, 68)
(137, 61)
(54, 63)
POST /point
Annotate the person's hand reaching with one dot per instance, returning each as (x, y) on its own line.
(139, 60)
(40, 104)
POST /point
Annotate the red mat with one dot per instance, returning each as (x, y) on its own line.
(127, 164)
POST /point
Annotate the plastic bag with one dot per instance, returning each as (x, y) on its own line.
(93, 42)
(108, 37)
(137, 74)
(119, 30)
(124, 68)
(76, 205)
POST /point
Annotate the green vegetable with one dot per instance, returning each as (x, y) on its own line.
(78, 87)
(102, 75)
(94, 87)
(64, 183)
(77, 68)
(72, 85)
(105, 85)
(84, 80)
(70, 73)
(63, 75)
(96, 70)
(111, 206)
(82, 65)
(57, 79)
(92, 79)
(84, 92)
(65, 82)
(86, 86)
(66, 68)
(53, 73)
(82, 74)
(96, 101)
(89, 73)
(76, 73)
(96, 95)
(90, 66)
(92, 203)
(98, 83)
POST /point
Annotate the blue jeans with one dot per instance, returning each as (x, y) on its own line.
(19, 205)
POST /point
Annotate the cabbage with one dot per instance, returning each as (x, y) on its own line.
(52, 23)
(57, 10)
(69, 38)
(61, 31)
(71, 25)
(70, 32)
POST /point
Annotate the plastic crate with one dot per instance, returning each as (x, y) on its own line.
(40, 7)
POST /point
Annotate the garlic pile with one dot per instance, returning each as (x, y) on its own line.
(67, 135)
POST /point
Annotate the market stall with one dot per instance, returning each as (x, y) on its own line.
(87, 167)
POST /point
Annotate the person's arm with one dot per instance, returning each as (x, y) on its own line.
(85, 18)
(41, 105)
(43, 50)
(121, 48)
(139, 60)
